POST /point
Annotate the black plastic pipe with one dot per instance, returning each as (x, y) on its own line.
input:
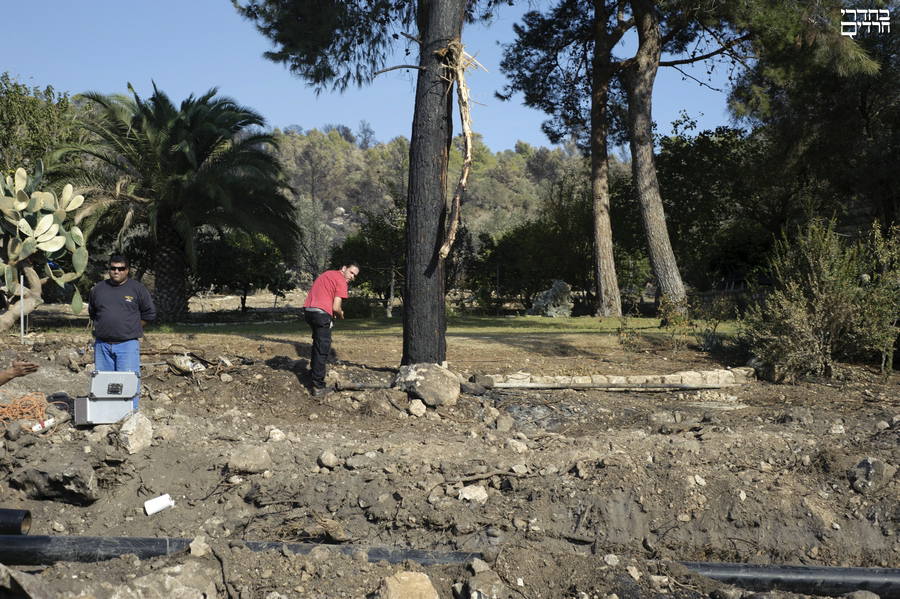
(18, 550)
(805, 580)
(44, 550)
(15, 522)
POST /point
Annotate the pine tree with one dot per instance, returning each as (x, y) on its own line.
(339, 43)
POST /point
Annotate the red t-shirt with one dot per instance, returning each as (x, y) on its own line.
(329, 285)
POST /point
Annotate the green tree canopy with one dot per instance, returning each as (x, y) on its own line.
(241, 263)
(32, 123)
(176, 169)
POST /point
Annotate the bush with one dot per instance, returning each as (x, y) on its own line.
(833, 300)
(357, 306)
(706, 316)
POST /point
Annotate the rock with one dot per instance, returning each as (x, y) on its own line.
(517, 446)
(136, 433)
(472, 389)
(199, 546)
(14, 430)
(194, 577)
(520, 468)
(69, 358)
(357, 462)
(225, 377)
(482, 380)
(407, 585)
(60, 415)
(659, 582)
(870, 475)
(433, 384)
(13, 582)
(250, 459)
(554, 302)
(72, 483)
(488, 585)
(490, 554)
(475, 493)
(276, 435)
(504, 423)
(416, 408)
(327, 459)
(395, 397)
(478, 566)
(160, 396)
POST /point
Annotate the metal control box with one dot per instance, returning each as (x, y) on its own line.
(110, 398)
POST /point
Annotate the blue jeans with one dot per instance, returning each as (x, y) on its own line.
(119, 357)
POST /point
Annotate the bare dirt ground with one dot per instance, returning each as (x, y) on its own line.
(560, 493)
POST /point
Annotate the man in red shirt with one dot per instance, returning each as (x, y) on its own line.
(322, 306)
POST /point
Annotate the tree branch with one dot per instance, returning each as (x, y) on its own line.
(402, 66)
(722, 49)
(460, 62)
(703, 83)
(399, 66)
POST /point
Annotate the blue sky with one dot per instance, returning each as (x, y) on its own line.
(190, 46)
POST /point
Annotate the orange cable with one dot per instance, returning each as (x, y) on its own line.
(27, 407)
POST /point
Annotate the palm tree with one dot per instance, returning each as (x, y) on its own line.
(175, 170)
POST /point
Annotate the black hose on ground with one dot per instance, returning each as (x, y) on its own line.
(18, 550)
(805, 580)
(44, 550)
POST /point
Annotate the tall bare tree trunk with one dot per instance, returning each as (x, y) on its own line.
(639, 77)
(424, 315)
(609, 302)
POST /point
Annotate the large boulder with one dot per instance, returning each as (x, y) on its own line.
(554, 302)
(136, 433)
(407, 585)
(433, 384)
(72, 482)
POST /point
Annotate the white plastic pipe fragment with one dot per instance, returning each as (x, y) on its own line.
(158, 504)
(43, 425)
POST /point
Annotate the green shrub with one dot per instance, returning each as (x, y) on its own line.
(674, 317)
(357, 306)
(833, 300)
(706, 316)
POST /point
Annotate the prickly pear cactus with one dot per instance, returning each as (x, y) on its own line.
(37, 235)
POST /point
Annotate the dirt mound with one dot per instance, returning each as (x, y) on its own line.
(557, 492)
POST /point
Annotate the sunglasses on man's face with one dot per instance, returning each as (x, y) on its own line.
(118, 268)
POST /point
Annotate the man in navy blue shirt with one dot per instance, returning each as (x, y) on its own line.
(120, 308)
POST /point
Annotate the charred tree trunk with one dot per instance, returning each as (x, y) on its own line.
(609, 302)
(424, 315)
(639, 77)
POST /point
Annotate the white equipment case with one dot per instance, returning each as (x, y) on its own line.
(110, 398)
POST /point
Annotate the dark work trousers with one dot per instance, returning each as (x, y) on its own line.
(320, 322)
